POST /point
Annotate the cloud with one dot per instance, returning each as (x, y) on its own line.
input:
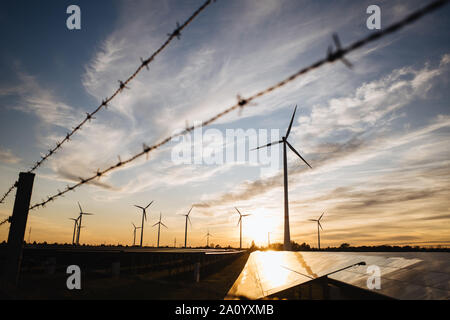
(364, 111)
(6, 156)
(357, 199)
(40, 101)
(371, 103)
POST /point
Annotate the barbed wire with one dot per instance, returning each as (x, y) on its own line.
(122, 85)
(8, 192)
(5, 221)
(332, 56)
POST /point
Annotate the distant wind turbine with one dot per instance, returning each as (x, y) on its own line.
(185, 226)
(287, 235)
(207, 238)
(144, 216)
(159, 223)
(80, 217)
(134, 233)
(29, 235)
(240, 223)
(75, 225)
(318, 225)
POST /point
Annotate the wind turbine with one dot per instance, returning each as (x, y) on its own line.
(185, 227)
(75, 225)
(318, 225)
(134, 234)
(79, 223)
(240, 223)
(287, 235)
(207, 238)
(159, 223)
(144, 216)
(29, 235)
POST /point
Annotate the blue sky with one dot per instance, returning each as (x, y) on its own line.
(376, 135)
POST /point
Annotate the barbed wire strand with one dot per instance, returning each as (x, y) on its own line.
(122, 85)
(5, 221)
(5, 195)
(332, 56)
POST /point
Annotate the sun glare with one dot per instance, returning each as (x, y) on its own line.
(257, 227)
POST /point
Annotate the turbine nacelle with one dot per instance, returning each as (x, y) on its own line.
(286, 142)
(144, 209)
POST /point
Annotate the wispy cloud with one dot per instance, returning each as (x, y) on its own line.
(6, 156)
(40, 101)
(366, 110)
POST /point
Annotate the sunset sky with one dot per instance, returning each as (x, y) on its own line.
(377, 136)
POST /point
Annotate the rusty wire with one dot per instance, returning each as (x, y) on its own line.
(331, 57)
(122, 84)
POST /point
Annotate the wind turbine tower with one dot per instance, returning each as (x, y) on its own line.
(287, 235)
(134, 233)
(159, 223)
(185, 226)
(144, 216)
(318, 225)
(207, 238)
(240, 224)
(75, 226)
(80, 218)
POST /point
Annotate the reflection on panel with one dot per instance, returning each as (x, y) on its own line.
(402, 275)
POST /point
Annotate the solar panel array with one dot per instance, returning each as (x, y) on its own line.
(416, 275)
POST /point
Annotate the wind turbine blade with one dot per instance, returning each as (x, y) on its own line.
(238, 211)
(320, 225)
(139, 207)
(88, 214)
(298, 154)
(189, 211)
(149, 204)
(133, 225)
(240, 218)
(312, 220)
(155, 224)
(189, 219)
(290, 124)
(145, 215)
(164, 225)
(246, 215)
(267, 145)
(321, 216)
(81, 210)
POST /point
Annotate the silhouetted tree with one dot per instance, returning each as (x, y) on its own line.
(345, 246)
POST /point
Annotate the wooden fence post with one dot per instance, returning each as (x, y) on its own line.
(17, 228)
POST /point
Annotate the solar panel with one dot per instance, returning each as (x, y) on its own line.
(419, 275)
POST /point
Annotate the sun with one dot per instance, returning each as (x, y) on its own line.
(257, 226)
